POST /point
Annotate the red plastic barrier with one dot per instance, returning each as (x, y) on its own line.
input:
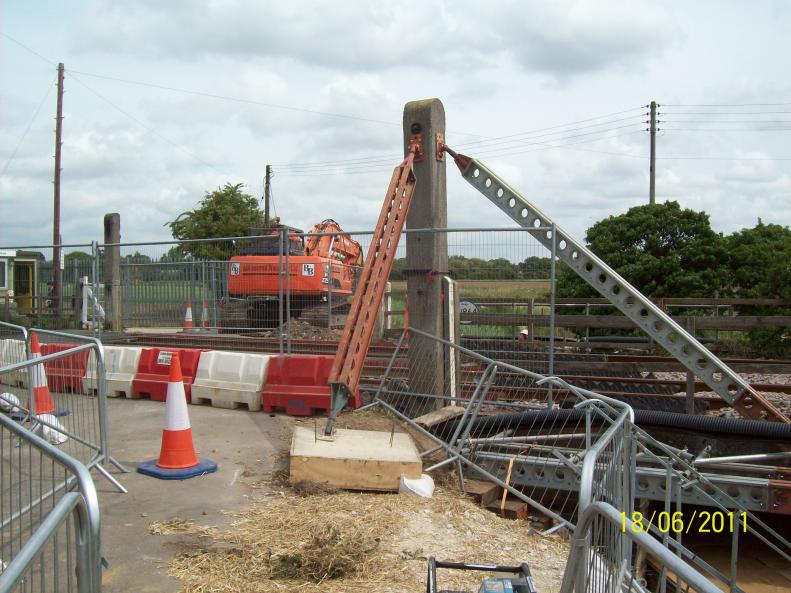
(298, 384)
(65, 374)
(151, 379)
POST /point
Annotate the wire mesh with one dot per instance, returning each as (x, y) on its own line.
(49, 537)
(73, 413)
(499, 421)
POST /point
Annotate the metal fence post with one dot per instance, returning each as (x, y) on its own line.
(288, 291)
(280, 295)
(329, 296)
(213, 293)
(95, 284)
(552, 290)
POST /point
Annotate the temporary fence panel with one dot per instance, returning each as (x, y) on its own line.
(50, 532)
(78, 422)
(502, 423)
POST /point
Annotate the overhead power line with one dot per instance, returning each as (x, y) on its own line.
(27, 128)
(725, 104)
(144, 125)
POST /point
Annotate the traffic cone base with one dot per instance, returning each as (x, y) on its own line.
(150, 468)
(177, 459)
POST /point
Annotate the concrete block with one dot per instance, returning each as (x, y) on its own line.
(120, 368)
(230, 379)
(354, 459)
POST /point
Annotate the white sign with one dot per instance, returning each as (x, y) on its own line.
(467, 307)
(308, 269)
(164, 358)
(7, 253)
(235, 268)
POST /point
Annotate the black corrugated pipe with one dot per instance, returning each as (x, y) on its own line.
(643, 418)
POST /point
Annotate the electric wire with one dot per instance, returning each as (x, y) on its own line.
(27, 129)
(114, 106)
(144, 125)
(362, 169)
(372, 164)
(727, 129)
(388, 159)
(723, 104)
(238, 99)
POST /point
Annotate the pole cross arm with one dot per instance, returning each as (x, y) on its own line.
(640, 309)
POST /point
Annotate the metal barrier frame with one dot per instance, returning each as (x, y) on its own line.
(102, 454)
(577, 577)
(82, 505)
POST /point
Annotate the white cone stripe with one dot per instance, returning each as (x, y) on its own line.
(39, 376)
(176, 415)
(188, 315)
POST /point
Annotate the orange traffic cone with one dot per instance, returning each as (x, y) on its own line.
(188, 316)
(177, 459)
(204, 316)
(42, 398)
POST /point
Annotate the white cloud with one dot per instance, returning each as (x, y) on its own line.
(559, 39)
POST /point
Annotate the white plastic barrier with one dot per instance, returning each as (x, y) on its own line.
(229, 379)
(13, 351)
(121, 366)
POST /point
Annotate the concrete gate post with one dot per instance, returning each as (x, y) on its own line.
(112, 271)
(426, 252)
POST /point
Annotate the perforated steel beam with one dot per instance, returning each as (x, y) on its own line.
(645, 314)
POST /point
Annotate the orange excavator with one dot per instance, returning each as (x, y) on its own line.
(313, 269)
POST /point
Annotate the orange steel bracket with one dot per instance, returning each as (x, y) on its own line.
(358, 331)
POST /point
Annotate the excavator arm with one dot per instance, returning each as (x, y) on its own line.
(645, 314)
(357, 333)
(323, 241)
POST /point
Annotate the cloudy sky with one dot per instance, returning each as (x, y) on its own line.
(166, 100)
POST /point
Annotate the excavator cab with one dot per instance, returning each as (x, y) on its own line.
(267, 241)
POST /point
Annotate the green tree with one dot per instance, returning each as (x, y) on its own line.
(77, 256)
(225, 212)
(76, 265)
(661, 249)
(759, 262)
(535, 268)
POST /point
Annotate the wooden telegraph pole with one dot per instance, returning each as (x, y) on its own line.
(57, 271)
(652, 166)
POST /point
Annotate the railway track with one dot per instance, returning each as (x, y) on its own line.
(626, 377)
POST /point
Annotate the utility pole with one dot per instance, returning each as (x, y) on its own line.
(57, 271)
(267, 181)
(652, 166)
